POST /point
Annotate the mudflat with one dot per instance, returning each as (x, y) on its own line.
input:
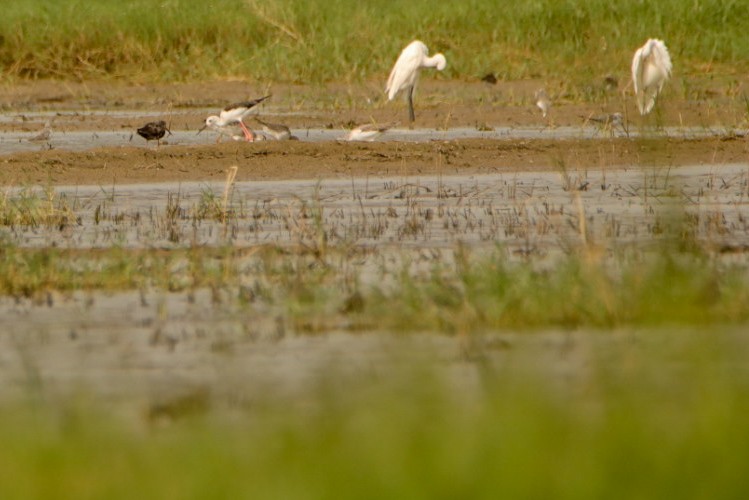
(684, 130)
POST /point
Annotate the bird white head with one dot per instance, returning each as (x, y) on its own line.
(436, 61)
(211, 122)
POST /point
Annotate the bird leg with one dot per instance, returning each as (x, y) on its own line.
(411, 115)
(247, 133)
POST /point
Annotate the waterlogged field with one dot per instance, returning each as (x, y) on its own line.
(490, 303)
(441, 333)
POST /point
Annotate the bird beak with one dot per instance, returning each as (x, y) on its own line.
(201, 129)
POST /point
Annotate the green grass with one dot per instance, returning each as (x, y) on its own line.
(481, 292)
(652, 420)
(577, 291)
(333, 40)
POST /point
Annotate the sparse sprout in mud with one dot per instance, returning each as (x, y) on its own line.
(28, 208)
(230, 176)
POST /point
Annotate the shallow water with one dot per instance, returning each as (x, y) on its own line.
(183, 135)
(157, 346)
(526, 211)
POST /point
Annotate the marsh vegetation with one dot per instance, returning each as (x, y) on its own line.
(567, 320)
(316, 41)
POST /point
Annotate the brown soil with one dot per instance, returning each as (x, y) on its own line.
(439, 104)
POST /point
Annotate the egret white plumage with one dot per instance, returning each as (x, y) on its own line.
(234, 113)
(651, 67)
(405, 73)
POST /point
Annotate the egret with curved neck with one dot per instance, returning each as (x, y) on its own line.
(651, 67)
(405, 73)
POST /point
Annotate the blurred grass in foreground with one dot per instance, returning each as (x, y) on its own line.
(470, 292)
(658, 415)
(332, 40)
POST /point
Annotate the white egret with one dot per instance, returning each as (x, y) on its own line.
(234, 113)
(405, 73)
(651, 67)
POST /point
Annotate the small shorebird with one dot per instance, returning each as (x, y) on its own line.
(43, 134)
(234, 113)
(405, 73)
(543, 102)
(651, 67)
(608, 122)
(154, 131)
(276, 130)
(367, 132)
(610, 83)
(232, 131)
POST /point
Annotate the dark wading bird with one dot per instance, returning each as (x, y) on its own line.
(234, 113)
(154, 131)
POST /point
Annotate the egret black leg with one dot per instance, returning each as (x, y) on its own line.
(411, 115)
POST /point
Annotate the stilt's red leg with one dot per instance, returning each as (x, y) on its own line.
(247, 132)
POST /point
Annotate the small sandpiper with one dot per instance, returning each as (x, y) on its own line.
(367, 132)
(44, 134)
(543, 102)
(154, 131)
(234, 113)
(608, 122)
(276, 130)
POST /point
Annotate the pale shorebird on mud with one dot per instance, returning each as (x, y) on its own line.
(405, 73)
(154, 131)
(234, 113)
(651, 67)
(365, 133)
(278, 131)
(543, 102)
(607, 122)
(44, 134)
